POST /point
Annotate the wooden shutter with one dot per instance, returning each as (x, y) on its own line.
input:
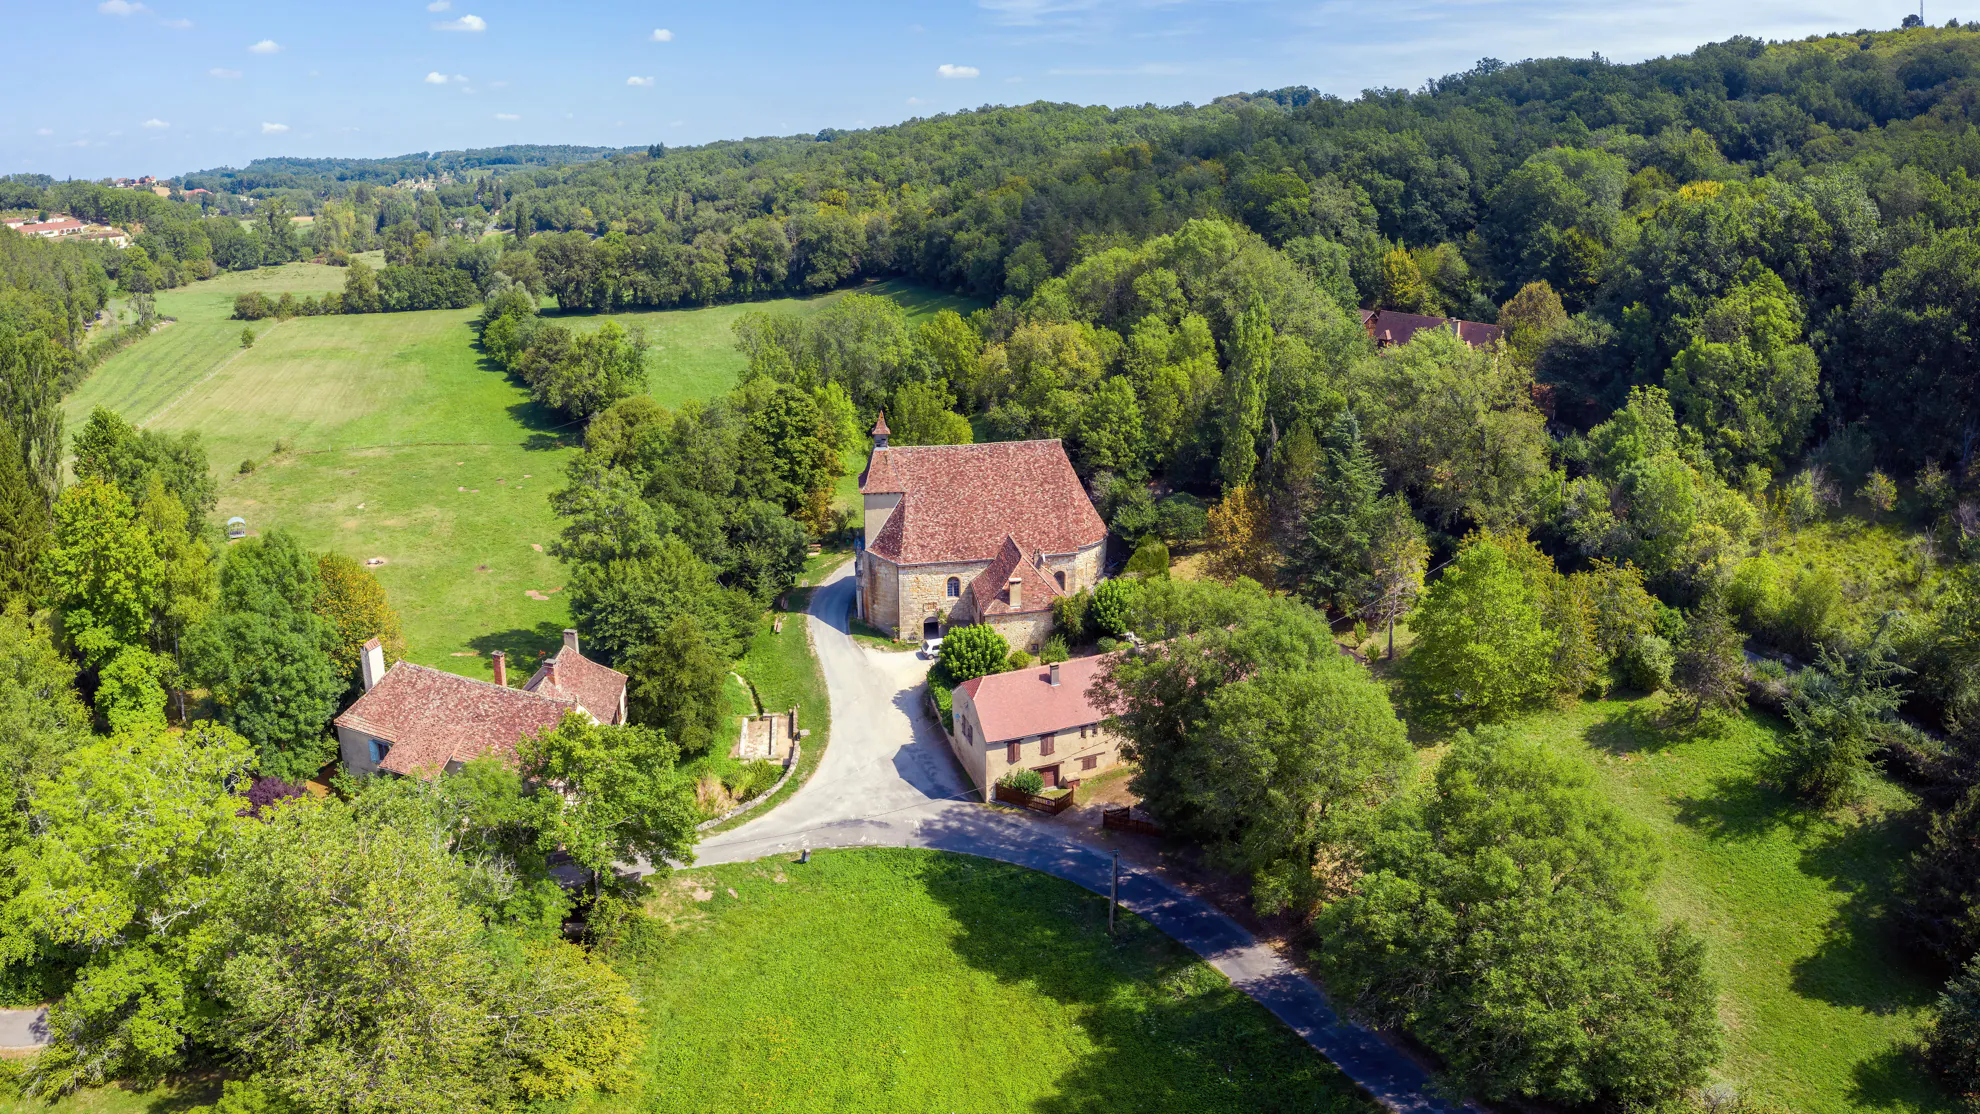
(1014, 753)
(1047, 743)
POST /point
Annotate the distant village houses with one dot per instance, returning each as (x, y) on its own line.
(964, 534)
(61, 226)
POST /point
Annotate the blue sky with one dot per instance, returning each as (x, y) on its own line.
(128, 87)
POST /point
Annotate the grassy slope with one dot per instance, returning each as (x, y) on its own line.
(895, 980)
(1818, 1002)
(784, 672)
(388, 417)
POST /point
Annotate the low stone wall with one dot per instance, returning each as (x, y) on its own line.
(789, 769)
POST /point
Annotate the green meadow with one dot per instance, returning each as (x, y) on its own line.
(388, 437)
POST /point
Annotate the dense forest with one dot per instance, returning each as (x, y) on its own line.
(1738, 289)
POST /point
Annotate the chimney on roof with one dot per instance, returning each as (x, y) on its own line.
(880, 431)
(1014, 591)
(1055, 674)
(570, 642)
(501, 669)
(371, 663)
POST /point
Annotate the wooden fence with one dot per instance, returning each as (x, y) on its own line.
(1122, 820)
(1050, 806)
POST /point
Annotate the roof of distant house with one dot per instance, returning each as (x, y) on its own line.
(1390, 326)
(432, 717)
(1024, 702)
(961, 502)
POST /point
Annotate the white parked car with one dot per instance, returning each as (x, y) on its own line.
(931, 648)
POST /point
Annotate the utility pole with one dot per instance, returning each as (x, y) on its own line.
(1114, 900)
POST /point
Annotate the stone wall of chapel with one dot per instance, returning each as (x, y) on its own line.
(923, 590)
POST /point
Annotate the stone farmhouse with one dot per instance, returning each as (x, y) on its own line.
(1038, 718)
(964, 534)
(417, 721)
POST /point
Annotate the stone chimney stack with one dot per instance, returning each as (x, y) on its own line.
(570, 642)
(501, 669)
(371, 663)
(1014, 591)
(1055, 674)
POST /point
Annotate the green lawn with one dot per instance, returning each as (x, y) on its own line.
(913, 981)
(1818, 1000)
(402, 443)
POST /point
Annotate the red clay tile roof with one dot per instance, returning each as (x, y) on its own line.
(1037, 589)
(432, 717)
(1396, 327)
(959, 502)
(596, 688)
(880, 427)
(1023, 702)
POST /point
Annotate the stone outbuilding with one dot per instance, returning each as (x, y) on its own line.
(419, 721)
(963, 534)
(1039, 718)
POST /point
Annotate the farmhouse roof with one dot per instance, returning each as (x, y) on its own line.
(1389, 326)
(1024, 702)
(432, 717)
(571, 676)
(962, 502)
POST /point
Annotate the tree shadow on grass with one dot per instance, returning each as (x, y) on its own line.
(1861, 963)
(1741, 806)
(526, 648)
(1633, 730)
(1167, 1032)
(1896, 1079)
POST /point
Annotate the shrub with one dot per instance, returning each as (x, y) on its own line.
(1018, 660)
(1113, 603)
(1646, 665)
(1072, 614)
(253, 306)
(973, 651)
(1151, 559)
(1108, 645)
(1180, 519)
(247, 337)
(1024, 781)
(752, 779)
(1952, 1038)
(247, 466)
(338, 258)
(1055, 650)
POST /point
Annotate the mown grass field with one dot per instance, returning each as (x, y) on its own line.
(914, 981)
(401, 442)
(1819, 1001)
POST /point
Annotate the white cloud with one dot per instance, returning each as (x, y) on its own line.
(438, 6)
(436, 78)
(662, 35)
(465, 23)
(44, 131)
(218, 72)
(120, 7)
(642, 82)
(507, 116)
(946, 70)
(266, 46)
(273, 129)
(155, 122)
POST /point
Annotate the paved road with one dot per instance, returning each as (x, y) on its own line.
(888, 779)
(26, 1028)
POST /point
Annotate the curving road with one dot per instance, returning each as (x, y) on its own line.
(888, 779)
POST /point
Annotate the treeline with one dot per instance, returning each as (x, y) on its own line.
(388, 290)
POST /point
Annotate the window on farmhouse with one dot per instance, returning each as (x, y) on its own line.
(379, 750)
